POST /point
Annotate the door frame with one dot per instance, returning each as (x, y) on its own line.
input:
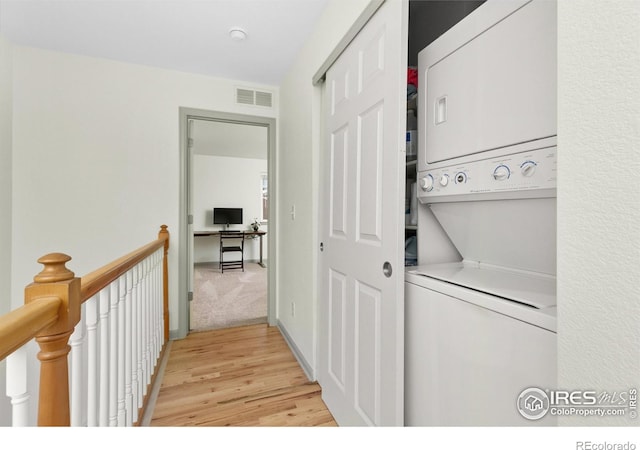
(187, 114)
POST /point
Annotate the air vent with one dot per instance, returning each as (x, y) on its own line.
(263, 99)
(245, 96)
(251, 97)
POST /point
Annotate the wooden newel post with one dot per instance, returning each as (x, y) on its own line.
(164, 234)
(55, 280)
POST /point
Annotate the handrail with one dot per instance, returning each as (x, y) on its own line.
(95, 281)
(21, 325)
(52, 310)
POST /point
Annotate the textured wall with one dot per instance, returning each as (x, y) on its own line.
(298, 168)
(6, 114)
(599, 199)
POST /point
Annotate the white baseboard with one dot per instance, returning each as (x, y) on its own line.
(145, 420)
(175, 335)
(306, 367)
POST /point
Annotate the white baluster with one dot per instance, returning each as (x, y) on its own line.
(104, 327)
(153, 295)
(137, 369)
(77, 381)
(113, 353)
(122, 353)
(17, 387)
(132, 402)
(128, 350)
(154, 309)
(153, 300)
(159, 303)
(146, 334)
(144, 370)
(92, 361)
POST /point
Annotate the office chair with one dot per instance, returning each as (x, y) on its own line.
(229, 244)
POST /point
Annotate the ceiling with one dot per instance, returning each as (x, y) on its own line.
(183, 35)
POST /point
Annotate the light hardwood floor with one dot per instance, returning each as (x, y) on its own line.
(245, 376)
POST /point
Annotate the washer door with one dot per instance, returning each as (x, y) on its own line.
(466, 365)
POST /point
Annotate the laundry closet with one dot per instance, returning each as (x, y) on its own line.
(437, 307)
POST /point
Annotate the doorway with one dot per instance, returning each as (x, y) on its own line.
(196, 125)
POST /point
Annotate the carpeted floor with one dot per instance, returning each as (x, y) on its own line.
(232, 298)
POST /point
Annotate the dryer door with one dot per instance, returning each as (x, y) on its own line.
(490, 82)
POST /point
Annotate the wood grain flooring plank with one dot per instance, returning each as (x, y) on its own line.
(244, 376)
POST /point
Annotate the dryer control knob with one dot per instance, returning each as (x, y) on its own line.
(444, 180)
(501, 173)
(426, 183)
(528, 168)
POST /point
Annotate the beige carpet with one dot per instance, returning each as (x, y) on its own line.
(232, 298)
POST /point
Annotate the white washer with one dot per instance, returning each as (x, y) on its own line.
(470, 354)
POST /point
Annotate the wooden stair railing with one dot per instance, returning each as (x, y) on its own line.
(52, 311)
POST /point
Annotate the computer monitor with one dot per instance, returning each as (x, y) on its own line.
(227, 216)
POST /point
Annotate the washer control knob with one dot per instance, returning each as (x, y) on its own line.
(528, 168)
(444, 180)
(426, 183)
(461, 177)
(501, 173)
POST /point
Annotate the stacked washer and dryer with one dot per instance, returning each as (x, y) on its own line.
(481, 304)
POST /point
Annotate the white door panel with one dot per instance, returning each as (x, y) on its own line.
(361, 309)
(336, 329)
(338, 195)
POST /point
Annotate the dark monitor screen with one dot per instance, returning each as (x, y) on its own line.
(227, 216)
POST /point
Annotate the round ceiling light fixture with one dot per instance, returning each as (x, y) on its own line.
(238, 34)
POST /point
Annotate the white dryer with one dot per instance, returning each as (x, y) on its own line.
(481, 305)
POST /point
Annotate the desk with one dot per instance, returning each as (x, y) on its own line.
(245, 233)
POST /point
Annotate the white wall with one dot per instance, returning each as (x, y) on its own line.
(96, 165)
(96, 156)
(298, 165)
(599, 198)
(6, 103)
(226, 182)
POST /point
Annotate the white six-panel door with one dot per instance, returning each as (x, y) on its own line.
(362, 225)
